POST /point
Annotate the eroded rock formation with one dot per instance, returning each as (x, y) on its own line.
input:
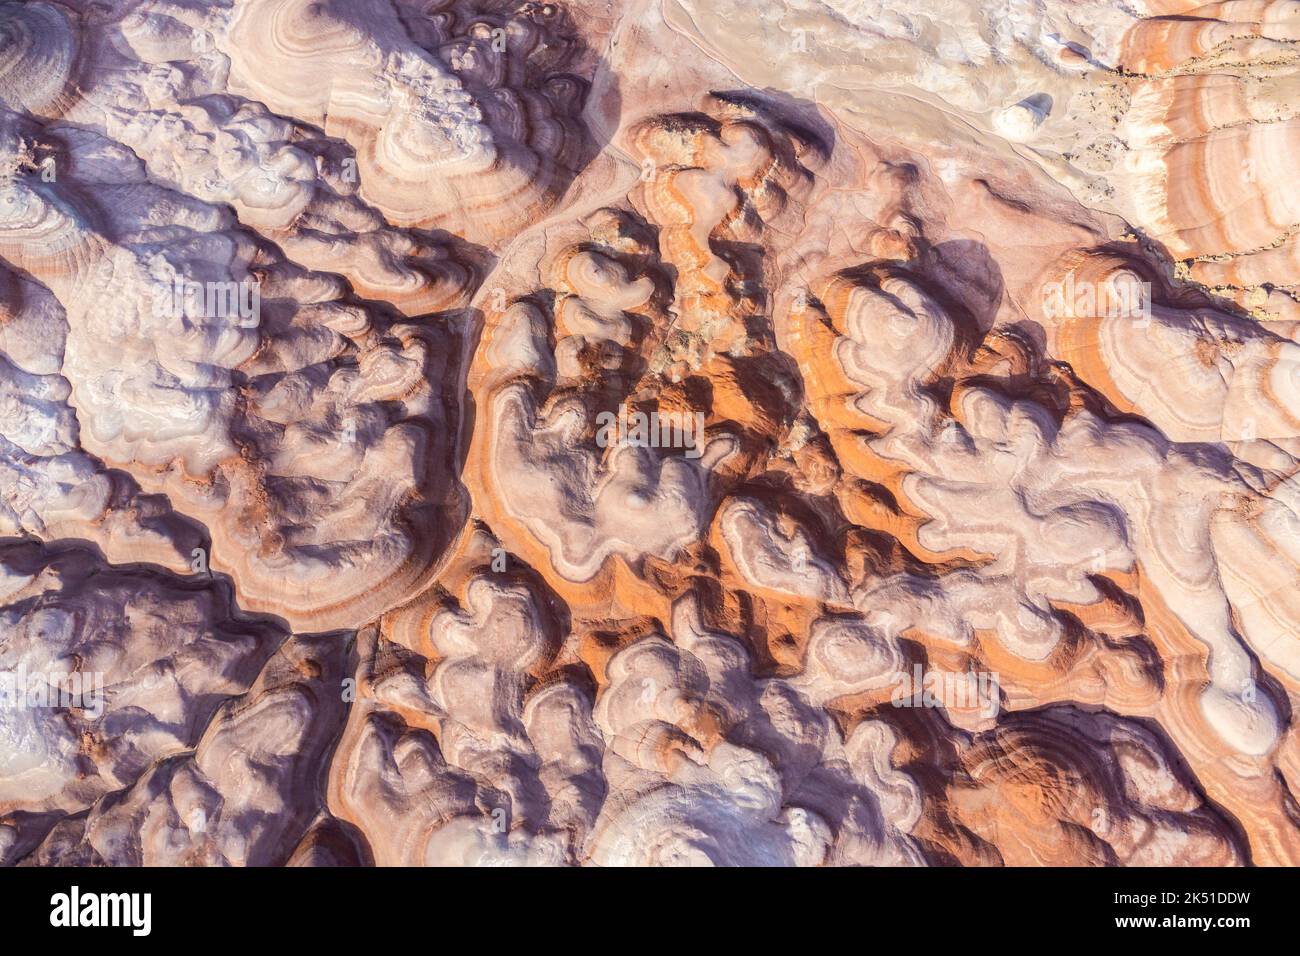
(815, 433)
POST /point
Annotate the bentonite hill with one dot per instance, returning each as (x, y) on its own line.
(808, 432)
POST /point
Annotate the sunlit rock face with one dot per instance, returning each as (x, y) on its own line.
(806, 433)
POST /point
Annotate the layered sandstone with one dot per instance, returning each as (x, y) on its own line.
(448, 432)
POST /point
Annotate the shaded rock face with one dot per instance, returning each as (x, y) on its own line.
(466, 432)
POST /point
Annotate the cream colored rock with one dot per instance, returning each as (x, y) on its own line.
(805, 433)
(237, 380)
(106, 672)
(497, 150)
